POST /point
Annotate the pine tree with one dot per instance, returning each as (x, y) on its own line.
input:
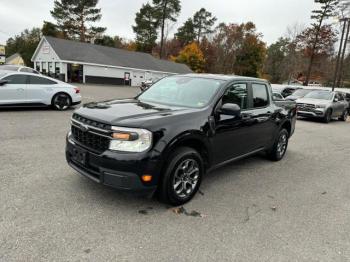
(186, 33)
(327, 9)
(166, 10)
(203, 22)
(146, 28)
(72, 17)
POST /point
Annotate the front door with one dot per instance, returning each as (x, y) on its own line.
(232, 134)
(13, 92)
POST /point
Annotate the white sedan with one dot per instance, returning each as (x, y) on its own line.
(19, 89)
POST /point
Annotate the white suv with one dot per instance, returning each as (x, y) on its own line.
(27, 89)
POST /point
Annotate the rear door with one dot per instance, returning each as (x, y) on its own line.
(262, 114)
(14, 92)
(39, 89)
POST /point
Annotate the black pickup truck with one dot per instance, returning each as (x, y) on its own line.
(165, 139)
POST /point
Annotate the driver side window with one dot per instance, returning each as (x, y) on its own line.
(236, 94)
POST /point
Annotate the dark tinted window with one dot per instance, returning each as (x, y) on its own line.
(16, 79)
(37, 80)
(340, 97)
(260, 95)
(237, 94)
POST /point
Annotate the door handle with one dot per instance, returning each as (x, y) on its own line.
(20, 89)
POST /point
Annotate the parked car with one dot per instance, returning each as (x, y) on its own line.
(17, 68)
(165, 139)
(146, 84)
(284, 90)
(19, 89)
(277, 96)
(323, 104)
(299, 93)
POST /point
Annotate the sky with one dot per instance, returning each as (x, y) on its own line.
(271, 16)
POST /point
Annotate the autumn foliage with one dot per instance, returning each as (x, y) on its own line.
(192, 56)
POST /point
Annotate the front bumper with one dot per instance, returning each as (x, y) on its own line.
(113, 169)
(316, 113)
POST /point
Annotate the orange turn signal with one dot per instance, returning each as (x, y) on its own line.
(121, 136)
(146, 178)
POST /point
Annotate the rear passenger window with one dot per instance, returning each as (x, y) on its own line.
(16, 79)
(236, 94)
(37, 80)
(260, 95)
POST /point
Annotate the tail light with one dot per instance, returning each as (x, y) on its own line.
(77, 90)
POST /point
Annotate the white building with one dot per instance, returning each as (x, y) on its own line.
(73, 61)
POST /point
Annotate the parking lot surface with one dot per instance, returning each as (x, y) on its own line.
(253, 210)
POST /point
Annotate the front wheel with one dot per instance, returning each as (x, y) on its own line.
(61, 101)
(182, 177)
(328, 116)
(280, 146)
(344, 116)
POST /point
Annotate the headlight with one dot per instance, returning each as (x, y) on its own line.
(320, 106)
(130, 139)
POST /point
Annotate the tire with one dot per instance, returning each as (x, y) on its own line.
(279, 149)
(61, 101)
(177, 186)
(344, 116)
(328, 116)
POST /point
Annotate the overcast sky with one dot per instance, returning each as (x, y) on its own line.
(271, 16)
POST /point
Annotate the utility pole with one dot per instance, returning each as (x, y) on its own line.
(339, 55)
(341, 69)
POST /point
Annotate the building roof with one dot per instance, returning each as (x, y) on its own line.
(11, 57)
(109, 56)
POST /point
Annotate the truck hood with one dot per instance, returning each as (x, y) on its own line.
(128, 112)
(313, 101)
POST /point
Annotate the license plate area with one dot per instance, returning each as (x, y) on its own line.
(80, 156)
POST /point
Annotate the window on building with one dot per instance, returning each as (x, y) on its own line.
(16, 79)
(236, 94)
(37, 80)
(260, 95)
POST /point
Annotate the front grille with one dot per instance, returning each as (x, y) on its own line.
(305, 106)
(90, 140)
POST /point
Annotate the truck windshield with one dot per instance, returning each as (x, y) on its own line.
(322, 95)
(183, 91)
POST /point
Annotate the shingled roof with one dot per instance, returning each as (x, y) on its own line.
(89, 53)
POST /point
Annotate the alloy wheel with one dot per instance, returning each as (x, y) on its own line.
(61, 102)
(186, 178)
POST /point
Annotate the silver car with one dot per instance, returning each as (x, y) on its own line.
(323, 104)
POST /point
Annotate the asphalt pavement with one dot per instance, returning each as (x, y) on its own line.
(253, 210)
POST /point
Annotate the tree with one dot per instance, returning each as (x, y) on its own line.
(251, 55)
(327, 9)
(238, 49)
(106, 40)
(73, 17)
(186, 33)
(192, 56)
(275, 61)
(146, 28)
(202, 23)
(50, 29)
(165, 10)
(24, 44)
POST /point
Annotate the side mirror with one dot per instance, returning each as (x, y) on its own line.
(230, 109)
(3, 82)
(336, 100)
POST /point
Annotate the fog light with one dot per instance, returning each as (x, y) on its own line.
(146, 178)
